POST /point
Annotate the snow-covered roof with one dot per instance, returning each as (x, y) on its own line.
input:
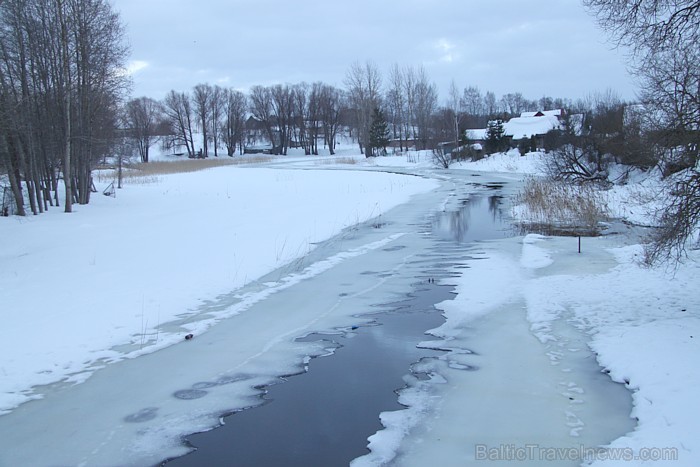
(546, 113)
(476, 134)
(524, 127)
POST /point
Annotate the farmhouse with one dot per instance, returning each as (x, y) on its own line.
(527, 125)
(537, 125)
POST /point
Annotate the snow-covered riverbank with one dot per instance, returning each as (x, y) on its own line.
(80, 291)
(643, 326)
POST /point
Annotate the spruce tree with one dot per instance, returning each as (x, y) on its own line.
(378, 134)
(494, 136)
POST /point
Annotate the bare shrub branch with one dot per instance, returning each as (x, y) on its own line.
(678, 222)
(441, 158)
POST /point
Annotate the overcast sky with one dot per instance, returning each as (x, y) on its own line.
(536, 47)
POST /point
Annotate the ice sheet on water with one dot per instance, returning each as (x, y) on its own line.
(143, 415)
(517, 390)
(157, 398)
(534, 257)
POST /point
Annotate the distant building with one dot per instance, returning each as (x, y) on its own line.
(476, 135)
(559, 113)
(525, 127)
(528, 125)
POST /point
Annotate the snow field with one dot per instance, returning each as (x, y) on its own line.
(98, 285)
(641, 324)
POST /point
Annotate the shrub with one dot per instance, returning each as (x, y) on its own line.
(562, 207)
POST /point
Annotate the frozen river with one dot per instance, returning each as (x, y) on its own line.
(335, 405)
(360, 301)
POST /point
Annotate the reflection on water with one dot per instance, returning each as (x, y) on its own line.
(479, 218)
(325, 416)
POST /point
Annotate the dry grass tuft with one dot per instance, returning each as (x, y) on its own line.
(181, 166)
(149, 173)
(336, 160)
(559, 206)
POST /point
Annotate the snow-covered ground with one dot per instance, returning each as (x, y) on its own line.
(80, 291)
(644, 326)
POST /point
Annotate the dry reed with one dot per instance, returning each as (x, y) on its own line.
(149, 173)
(561, 206)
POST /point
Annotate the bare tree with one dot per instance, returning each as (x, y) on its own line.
(216, 110)
(662, 37)
(585, 154)
(314, 117)
(282, 112)
(261, 109)
(363, 84)
(65, 84)
(454, 105)
(473, 102)
(396, 105)
(331, 102)
(233, 130)
(409, 84)
(61, 75)
(301, 126)
(9, 159)
(490, 104)
(178, 113)
(426, 100)
(577, 163)
(125, 151)
(514, 103)
(443, 124)
(441, 158)
(141, 117)
(678, 220)
(646, 25)
(100, 83)
(201, 98)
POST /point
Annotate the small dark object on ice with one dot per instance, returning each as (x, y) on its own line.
(189, 336)
(354, 327)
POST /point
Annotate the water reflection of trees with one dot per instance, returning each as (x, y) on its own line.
(460, 223)
(453, 225)
(478, 214)
(495, 208)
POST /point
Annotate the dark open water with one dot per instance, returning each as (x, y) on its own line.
(324, 416)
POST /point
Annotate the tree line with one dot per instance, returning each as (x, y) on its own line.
(64, 107)
(662, 37)
(304, 115)
(61, 81)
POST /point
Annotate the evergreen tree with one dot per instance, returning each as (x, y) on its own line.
(378, 134)
(494, 136)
